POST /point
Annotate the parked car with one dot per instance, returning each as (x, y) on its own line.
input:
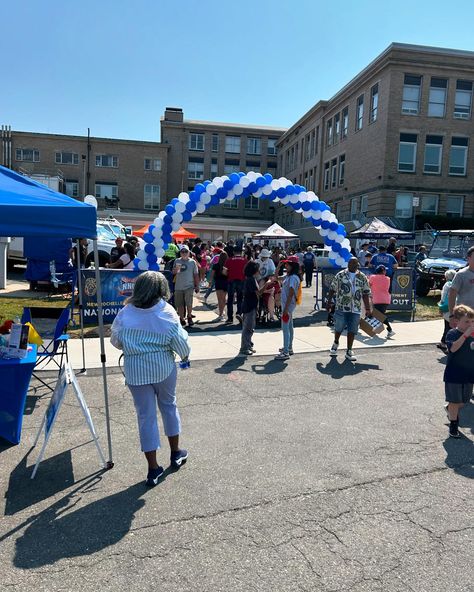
(448, 251)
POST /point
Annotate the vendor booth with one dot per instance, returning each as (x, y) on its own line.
(275, 232)
(377, 229)
(31, 209)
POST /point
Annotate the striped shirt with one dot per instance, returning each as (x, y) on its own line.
(149, 338)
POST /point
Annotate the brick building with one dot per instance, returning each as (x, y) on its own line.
(400, 129)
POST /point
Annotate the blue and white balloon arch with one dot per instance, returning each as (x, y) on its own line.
(183, 208)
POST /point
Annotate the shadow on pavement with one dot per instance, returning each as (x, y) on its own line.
(460, 452)
(270, 367)
(346, 368)
(231, 365)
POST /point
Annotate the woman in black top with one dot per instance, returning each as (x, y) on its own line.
(220, 282)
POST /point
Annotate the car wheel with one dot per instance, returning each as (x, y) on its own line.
(422, 287)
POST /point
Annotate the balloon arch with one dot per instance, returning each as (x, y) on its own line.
(183, 208)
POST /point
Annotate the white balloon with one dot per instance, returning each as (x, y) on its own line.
(244, 181)
(158, 242)
(230, 195)
(332, 234)
(183, 195)
(177, 216)
(293, 198)
(323, 232)
(275, 185)
(346, 244)
(160, 252)
(205, 198)
(339, 238)
(312, 196)
(142, 255)
(266, 189)
(238, 189)
(200, 208)
(211, 189)
(258, 193)
(252, 175)
(299, 210)
(218, 182)
(175, 226)
(307, 214)
(180, 207)
(285, 200)
(162, 215)
(143, 265)
(303, 196)
(317, 214)
(325, 215)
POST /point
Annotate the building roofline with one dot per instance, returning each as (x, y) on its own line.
(92, 138)
(222, 124)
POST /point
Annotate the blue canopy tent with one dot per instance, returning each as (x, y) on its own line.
(31, 209)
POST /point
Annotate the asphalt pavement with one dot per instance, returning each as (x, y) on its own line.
(312, 474)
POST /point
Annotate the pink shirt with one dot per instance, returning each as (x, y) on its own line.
(380, 284)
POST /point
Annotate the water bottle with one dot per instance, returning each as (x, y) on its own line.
(185, 364)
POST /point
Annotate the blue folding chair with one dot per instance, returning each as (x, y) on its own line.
(54, 346)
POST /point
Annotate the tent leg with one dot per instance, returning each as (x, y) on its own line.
(110, 463)
(81, 317)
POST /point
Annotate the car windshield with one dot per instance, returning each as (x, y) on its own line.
(454, 246)
(105, 234)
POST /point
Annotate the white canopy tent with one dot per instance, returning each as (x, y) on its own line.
(276, 232)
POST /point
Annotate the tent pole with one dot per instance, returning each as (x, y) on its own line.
(110, 463)
(79, 289)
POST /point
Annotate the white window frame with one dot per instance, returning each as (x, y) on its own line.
(231, 168)
(214, 169)
(429, 196)
(452, 213)
(231, 205)
(440, 159)
(20, 154)
(434, 104)
(355, 207)
(461, 111)
(333, 173)
(74, 190)
(196, 142)
(329, 133)
(215, 143)
(337, 127)
(59, 158)
(345, 123)
(364, 204)
(254, 146)
(232, 144)
(154, 164)
(327, 173)
(253, 204)
(196, 170)
(151, 196)
(411, 110)
(114, 193)
(374, 103)
(457, 148)
(101, 158)
(271, 146)
(359, 113)
(404, 212)
(414, 146)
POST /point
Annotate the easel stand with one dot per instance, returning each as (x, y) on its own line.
(65, 379)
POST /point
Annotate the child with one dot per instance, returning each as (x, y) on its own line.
(381, 297)
(249, 307)
(459, 372)
(289, 298)
(272, 295)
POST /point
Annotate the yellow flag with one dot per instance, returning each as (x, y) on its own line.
(33, 335)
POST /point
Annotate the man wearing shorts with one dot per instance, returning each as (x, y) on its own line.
(350, 286)
(186, 274)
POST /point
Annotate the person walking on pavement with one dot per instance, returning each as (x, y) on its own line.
(249, 308)
(148, 331)
(220, 281)
(186, 274)
(289, 295)
(462, 288)
(349, 287)
(380, 286)
(309, 264)
(235, 280)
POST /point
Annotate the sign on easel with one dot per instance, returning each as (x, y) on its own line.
(65, 379)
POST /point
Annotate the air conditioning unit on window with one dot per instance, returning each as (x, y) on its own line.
(410, 111)
(458, 115)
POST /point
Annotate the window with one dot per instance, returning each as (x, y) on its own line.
(254, 146)
(334, 172)
(364, 204)
(326, 176)
(195, 170)
(411, 94)
(108, 192)
(329, 133)
(231, 168)
(27, 154)
(196, 142)
(407, 153)
(345, 122)
(374, 102)
(429, 204)
(151, 197)
(454, 206)
(404, 205)
(232, 144)
(307, 152)
(252, 165)
(463, 99)
(337, 127)
(152, 164)
(271, 147)
(251, 203)
(215, 143)
(106, 160)
(437, 100)
(458, 156)
(354, 207)
(66, 158)
(360, 112)
(342, 169)
(72, 188)
(433, 155)
(315, 142)
(213, 168)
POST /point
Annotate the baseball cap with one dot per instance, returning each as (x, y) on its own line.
(184, 248)
(291, 259)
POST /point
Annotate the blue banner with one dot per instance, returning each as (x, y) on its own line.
(117, 286)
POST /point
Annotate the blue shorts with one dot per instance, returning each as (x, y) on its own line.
(346, 319)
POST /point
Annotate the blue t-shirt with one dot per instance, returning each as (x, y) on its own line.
(460, 365)
(384, 259)
(291, 281)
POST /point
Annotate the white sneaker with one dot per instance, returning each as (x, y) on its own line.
(333, 350)
(390, 333)
(350, 356)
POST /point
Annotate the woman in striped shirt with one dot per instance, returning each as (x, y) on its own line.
(148, 331)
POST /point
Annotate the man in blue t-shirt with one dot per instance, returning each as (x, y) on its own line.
(386, 259)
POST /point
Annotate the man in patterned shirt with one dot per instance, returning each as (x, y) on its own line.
(350, 286)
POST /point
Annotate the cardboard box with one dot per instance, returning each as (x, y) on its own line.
(373, 326)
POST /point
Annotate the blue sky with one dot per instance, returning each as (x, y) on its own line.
(114, 65)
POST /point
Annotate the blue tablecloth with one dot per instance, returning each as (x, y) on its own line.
(15, 376)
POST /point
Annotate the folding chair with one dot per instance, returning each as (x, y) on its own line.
(54, 343)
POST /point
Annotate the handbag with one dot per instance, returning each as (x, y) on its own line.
(443, 305)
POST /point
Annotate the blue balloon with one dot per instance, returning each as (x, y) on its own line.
(214, 200)
(148, 237)
(154, 267)
(167, 219)
(234, 177)
(323, 206)
(253, 187)
(167, 238)
(306, 206)
(193, 195)
(174, 201)
(166, 243)
(149, 248)
(135, 263)
(298, 189)
(345, 253)
(228, 184)
(241, 174)
(315, 206)
(341, 230)
(290, 190)
(261, 181)
(268, 178)
(329, 242)
(336, 247)
(221, 193)
(297, 205)
(190, 207)
(325, 224)
(333, 226)
(281, 192)
(316, 221)
(152, 259)
(151, 228)
(170, 210)
(200, 188)
(166, 228)
(204, 184)
(187, 216)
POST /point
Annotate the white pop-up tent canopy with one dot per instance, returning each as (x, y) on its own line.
(29, 208)
(275, 231)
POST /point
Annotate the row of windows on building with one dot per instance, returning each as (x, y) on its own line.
(334, 172)
(72, 158)
(433, 154)
(232, 144)
(437, 97)
(109, 192)
(196, 167)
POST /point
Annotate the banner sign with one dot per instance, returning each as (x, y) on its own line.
(116, 284)
(402, 286)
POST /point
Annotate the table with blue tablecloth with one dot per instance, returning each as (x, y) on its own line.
(15, 376)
